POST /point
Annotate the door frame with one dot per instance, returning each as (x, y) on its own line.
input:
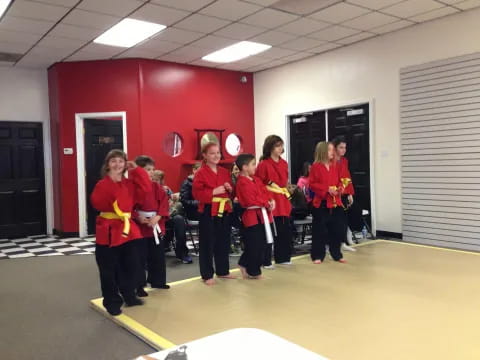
(80, 140)
(371, 123)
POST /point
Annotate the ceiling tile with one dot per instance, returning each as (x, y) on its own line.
(273, 38)
(333, 33)
(469, 4)
(110, 7)
(19, 37)
(410, 8)
(37, 11)
(262, 2)
(90, 19)
(6, 63)
(276, 52)
(240, 31)
(302, 43)
(452, 1)
(159, 14)
(158, 46)
(190, 5)
(178, 35)
(65, 3)
(25, 25)
(85, 55)
(447, 10)
(325, 47)
(38, 61)
(204, 63)
(370, 21)
(185, 54)
(236, 66)
(230, 9)
(269, 18)
(356, 38)
(14, 47)
(46, 51)
(400, 24)
(202, 23)
(104, 50)
(137, 53)
(298, 56)
(75, 32)
(375, 4)
(303, 26)
(61, 42)
(304, 7)
(339, 13)
(213, 42)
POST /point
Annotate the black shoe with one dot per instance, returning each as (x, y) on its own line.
(164, 286)
(141, 292)
(134, 302)
(114, 312)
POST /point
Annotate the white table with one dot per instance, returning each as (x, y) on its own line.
(241, 344)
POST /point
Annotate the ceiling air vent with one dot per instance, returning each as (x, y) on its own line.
(303, 7)
(9, 57)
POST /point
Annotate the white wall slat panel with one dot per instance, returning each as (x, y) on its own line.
(440, 148)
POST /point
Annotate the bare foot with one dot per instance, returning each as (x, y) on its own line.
(258, 277)
(229, 276)
(343, 261)
(317, 262)
(209, 282)
(243, 271)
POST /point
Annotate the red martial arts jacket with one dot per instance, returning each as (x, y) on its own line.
(345, 174)
(270, 171)
(109, 196)
(252, 193)
(155, 200)
(321, 179)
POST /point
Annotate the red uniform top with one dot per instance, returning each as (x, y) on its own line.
(321, 179)
(126, 193)
(269, 171)
(345, 174)
(252, 193)
(155, 200)
(204, 182)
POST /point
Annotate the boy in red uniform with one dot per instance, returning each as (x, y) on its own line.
(212, 187)
(254, 197)
(150, 214)
(327, 209)
(273, 171)
(114, 196)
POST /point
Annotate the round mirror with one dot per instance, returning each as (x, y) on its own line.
(173, 144)
(233, 144)
(208, 137)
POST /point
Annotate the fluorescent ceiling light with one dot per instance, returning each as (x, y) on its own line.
(128, 32)
(236, 52)
(4, 6)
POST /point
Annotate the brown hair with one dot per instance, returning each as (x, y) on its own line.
(321, 152)
(269, 144)
(115, 153)
(144, 160)
(242, 160)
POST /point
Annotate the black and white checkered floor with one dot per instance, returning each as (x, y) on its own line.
(45, 246)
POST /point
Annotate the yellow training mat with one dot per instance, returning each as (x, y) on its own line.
(390, 301)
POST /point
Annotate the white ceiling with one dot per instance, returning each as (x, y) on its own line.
(49, 31)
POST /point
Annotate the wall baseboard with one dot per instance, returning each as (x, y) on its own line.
(62, 235)
(389, 235)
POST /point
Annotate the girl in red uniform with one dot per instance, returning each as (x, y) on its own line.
(257, 201)
(212, 187)
(347, 197)
(273, 171)
(114, 196)
(151, 214)
(327, 211)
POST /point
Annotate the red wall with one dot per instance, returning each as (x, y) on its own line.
(159, 98)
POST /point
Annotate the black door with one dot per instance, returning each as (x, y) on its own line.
(22, 181)
(101, 136)
(306, 130)
(353, 124)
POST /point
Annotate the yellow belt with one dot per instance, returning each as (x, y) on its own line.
(221, 206)
(346, 181)
(278, 190)
(119, 215)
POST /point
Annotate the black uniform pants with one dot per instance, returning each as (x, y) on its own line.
(327, 228)
(282, 242)
(254, 250)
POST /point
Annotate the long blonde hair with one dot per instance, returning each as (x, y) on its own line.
(321, 152)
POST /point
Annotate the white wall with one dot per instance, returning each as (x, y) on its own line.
(24, 97)
(367, 70)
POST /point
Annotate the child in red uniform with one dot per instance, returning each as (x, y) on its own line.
(347, 197)
(254, 197)
(151, 213)
(212, 187)
(327, 210)
(273, 171)
(114, 196)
